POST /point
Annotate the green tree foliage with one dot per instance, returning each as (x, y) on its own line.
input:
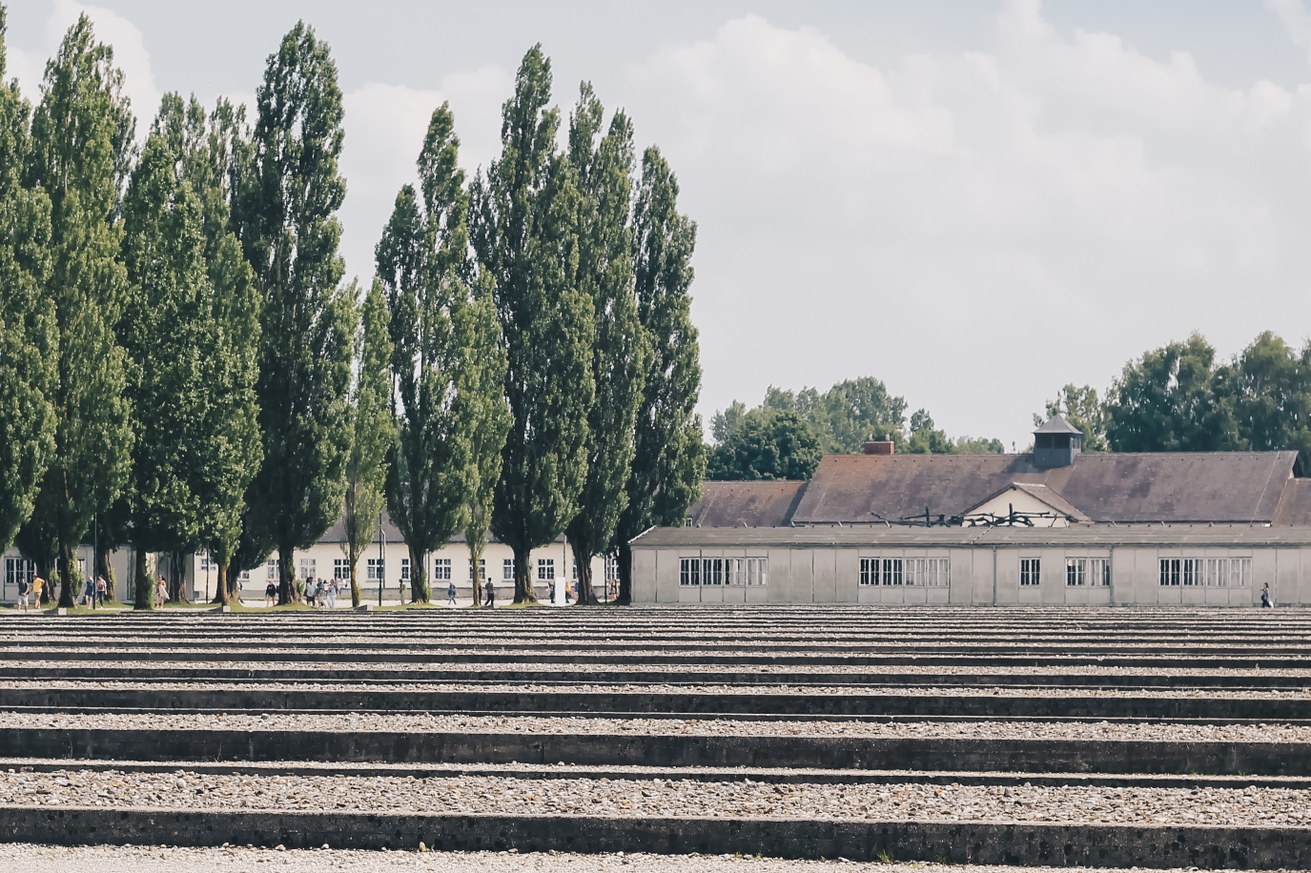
(669, 459)
(285, 215)
(724, 422)
(1081, 407)
(526, 221)
(856, 410)
(604, 164)
(81, 150)
(925, 437)
(164, 331)
(968, 445)
(27, 318)
(769, 444)
(228, 452)
(1165, 401)
(1266, 391)
(448, 363)
(373, 432)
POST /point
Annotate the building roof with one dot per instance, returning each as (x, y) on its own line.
(1295, 504)
(746, 504)
(392, 534)
(1058, 504)
(1057, 424)
(1172, 487)
(895, 536)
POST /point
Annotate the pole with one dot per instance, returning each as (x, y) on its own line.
(382, 575)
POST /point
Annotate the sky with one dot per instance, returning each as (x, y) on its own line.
(976, 201)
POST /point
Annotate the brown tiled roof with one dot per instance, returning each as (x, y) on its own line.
(1295, 504)
(746, 504)
(1175, 487)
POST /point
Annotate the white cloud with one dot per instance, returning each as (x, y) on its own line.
(385, 126)
(1012, 218)
(1296, 19)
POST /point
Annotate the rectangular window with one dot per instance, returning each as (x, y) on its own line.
(245, 576)
(405, 569)
(1099, 572)
(712, 571)
(1030, 572)
(1076, 571)
(1240, 572)
(309, 568)
(341, 568)
(928, 572)
(546, 569)
(507, 569)
(689, 572)
(482, 568)
(1191, 571)
(374, 570)
(892, 571)
(1171, 572)
(611, 568)
(206, 565)
(441, 570)
(17, 569)
(271, 571)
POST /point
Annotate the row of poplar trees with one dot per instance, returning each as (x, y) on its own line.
(183, 366)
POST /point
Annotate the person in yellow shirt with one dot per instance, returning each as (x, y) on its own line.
(38, 585)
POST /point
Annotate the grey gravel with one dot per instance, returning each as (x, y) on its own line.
(491, 724)
(231, 859)
(657, 798)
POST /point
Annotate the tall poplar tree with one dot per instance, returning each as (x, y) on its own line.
(373, 432)
(605, 274)
(670, 460)
(27, 323)
(526, 237)
(227, 454)
(163, 332)
(285, 215)
(447, 360)
(82, 148)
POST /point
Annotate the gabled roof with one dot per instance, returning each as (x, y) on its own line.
(746, 504)
(1042, 493)
(1295, 504)
(1174, 487)
(1057, 424)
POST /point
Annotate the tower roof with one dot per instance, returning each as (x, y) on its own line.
(1057, 424)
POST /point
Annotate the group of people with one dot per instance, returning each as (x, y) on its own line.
(318, 592)
(92, 593)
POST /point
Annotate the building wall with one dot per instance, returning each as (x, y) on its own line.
(987, 575)
(1021, 502)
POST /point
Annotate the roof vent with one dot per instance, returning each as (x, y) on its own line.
(1056, 444)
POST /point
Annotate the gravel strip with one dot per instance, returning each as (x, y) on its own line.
(624, 798)
(706, 689)
(699, 670)
(137, 859)
(528, 725)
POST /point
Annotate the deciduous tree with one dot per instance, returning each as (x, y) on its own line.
(604, 164)
(669, 460)
(81, 150)
(526, 236)
(286, 216)
(1081, 407)
(769, 444)
(27, 318)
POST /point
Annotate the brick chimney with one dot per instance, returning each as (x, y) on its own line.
(880, 447)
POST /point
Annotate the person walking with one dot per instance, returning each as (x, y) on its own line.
(24, 592)
(333, 587)
(1266, 600)
(161, 592)
(450, 591)
(38, 586)
(490, 591)
(270, 593)
(102, 589)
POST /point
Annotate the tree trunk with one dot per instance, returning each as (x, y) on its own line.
(586, 593)
(418, 572)
(355, 584)
(145, 588)
(286, 592)
(523, 587)
(625, 574)
(66, 576)
(221, 595)
(106, 568)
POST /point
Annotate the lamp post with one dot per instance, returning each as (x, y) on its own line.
(382, 543)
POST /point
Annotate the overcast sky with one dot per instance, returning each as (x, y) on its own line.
(973, 201)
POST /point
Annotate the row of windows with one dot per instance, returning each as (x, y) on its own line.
(1209, 572)
(374, 569)
(750, 572)
(928, 572)
(1079, 572)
